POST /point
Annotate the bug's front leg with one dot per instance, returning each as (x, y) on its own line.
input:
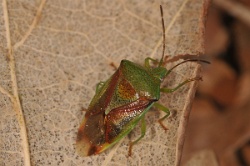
(168, 90)
(143, 131)
(164, 109)
(146, 63)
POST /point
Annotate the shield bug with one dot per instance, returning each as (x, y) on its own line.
(122, 101)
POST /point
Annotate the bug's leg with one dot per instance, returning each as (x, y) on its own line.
(99, 86)
(164, 109)
(112, 64)
(84, 110)
(146, 63)
(97, 90)
(167, 90)
(143, 131)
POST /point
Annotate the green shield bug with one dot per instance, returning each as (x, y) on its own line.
(122, 101)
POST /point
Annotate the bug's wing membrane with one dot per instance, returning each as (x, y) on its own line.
(90, 134)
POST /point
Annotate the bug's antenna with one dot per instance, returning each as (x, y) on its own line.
(188, 60)
(163, 36)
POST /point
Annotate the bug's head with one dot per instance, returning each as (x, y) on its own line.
(159, 72)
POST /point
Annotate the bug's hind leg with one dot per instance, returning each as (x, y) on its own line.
(143, 131)
(164, 109)
(167, 90)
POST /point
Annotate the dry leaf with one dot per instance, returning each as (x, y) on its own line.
(53, 53)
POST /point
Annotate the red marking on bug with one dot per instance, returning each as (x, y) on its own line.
(125, 90)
